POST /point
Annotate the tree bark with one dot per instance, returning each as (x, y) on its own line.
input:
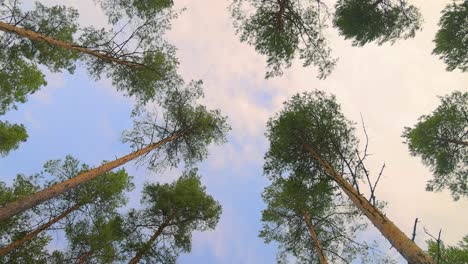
(150, 242)
(314, 237)
(34, 36)
(407, 248)
(279, 16)
(83, 258)
(32, 200)
(31, 235)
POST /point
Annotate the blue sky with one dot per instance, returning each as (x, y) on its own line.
(391, 86)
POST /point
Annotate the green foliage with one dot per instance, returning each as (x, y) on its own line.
(149, 64)
(178, 209)
(17, 226)
(441, 140)
(134, 9)
(18, 79)
(282, 30)
(146, 8)
(366, 21)
(58, 22)
(11, 135)
(93, 227)
(335, 222)
(152, 81)
(451, 39)
(19, 58)
(104, 194)
(99, 237)
(312, 118)
(449, 254)
(299, 183)
(198, 125)
(96, 231)
(155, 73)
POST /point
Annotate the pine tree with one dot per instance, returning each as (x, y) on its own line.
(142, 63)
(184, 133)
(99, 197)
(312, 131)
(284, 29)
(450, 40)
(171, 212)
(441, 140)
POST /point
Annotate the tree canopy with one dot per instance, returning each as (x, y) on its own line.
(92, 202)
(170, 213)
(451, 38)
(11, 135)
(197, 126)
(312, 118)
(441, 140)
(284, 29)
(16, 227)
(311, 132)
(134, 56)
(366, 21)
(449, 254)
(290, 201)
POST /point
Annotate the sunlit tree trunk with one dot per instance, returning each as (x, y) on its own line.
(407, 248)
(34, 36)
(38, 230)
(32, 200)
(314, 237)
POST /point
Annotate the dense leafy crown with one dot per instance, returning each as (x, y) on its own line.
(299, 183)
(95, 240)
(381, 21)
(313, 119)
(11, 135)
(284, 29)
(452, 38)
(441, 140)
(177, 209)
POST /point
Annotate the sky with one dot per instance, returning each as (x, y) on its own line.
(389, 85)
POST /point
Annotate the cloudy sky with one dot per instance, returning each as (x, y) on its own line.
(390, 86)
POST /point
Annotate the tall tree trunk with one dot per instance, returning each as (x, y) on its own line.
(34, 36)
(407, 248)
(150, 242)
(314, 237)
(280, 14)
(29, 236)
(83, 258)
(32, 200)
